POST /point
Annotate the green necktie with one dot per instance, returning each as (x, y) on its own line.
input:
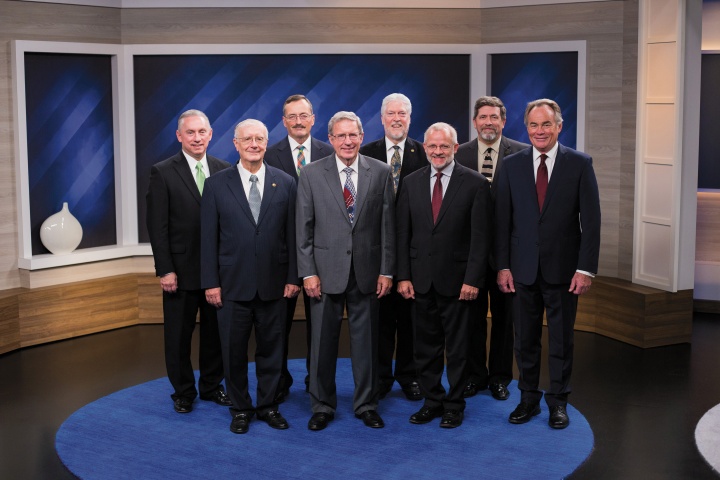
(199, 176)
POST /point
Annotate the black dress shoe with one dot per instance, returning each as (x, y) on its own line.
(240, 423)
(281, 395)
(412, 391)
(452, 418)
(524, 412)
(320, 420)
(371, 419)
(383, 390)
(425, 415)
(218, 396)
(472, 388)
(183, 405)
(559, 417)
(499, 391)
(274, 419)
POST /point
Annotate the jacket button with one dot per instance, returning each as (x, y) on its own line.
(349, 252)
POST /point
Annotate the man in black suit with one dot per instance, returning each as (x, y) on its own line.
(547, 243)
(404, 155)
(443, 244)
(173, 222)
(485, 154)
(249, 269)
(291, 154)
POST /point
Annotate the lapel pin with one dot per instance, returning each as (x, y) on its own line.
(274, 185)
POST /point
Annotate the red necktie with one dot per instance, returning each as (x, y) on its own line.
(541, 183)
(437, 196)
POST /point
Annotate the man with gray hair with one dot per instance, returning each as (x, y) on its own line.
(249, 269)
(443, 235)
(346, 258)
(404, 155)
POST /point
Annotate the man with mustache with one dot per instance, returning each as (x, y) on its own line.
(291, 154)
(486, 155)
(443, 235)
(404, 155)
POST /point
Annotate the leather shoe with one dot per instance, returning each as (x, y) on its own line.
(240, 423)
(412, 391)
(499, 391)
(218, 396)
(559, 417)
(425, 415)
(274, 419)
(371, 419)
(524, 412)
(472, 388)
(281, 395)
(183, 405)
(320, 420)
(452, 418)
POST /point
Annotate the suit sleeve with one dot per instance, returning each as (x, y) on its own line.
(292, 277)
(480, 235)
(387, 265)
(305, 227)
(404, 233)
(503, 220)
(158, 220)
(589, 221)
(209, 270)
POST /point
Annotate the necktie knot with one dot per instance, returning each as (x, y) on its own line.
(253, 178)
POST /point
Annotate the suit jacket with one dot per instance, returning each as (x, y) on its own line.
(414, 157)
(467, 153)
(240, 256)
(561, 239)
(455, 249)
(326, 240)
(173, 218)
(279, 155)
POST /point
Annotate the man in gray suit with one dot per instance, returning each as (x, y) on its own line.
(346, 257)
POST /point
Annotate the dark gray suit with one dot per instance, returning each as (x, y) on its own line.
(348, 258)
(498, 366)
(279, 155)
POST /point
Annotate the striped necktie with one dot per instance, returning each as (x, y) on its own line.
(349, 193)
(487, 166)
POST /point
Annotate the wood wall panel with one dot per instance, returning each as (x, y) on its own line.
(150, 308)
(707, 247)
(9, 325)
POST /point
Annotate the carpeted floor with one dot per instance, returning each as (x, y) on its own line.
(707, 437)
(134, 433)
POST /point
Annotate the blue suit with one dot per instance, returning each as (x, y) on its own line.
(543, 248)
(251, 263)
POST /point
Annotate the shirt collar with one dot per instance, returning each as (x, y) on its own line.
(389, 144)
(495, 146)
(294, 144)
(192, 162)
(341, 165)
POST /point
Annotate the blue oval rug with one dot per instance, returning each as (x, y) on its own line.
(135, 433)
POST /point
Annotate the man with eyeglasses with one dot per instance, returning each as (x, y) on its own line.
(443, 235)
(291, 154)
(404, 155)
(249, 269)
(486, 153)
(346, 258)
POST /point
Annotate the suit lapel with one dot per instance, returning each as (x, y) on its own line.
(363, 186)
(235, 185)
(556, 177)
(456, 179)
(425, 197)
(181, 167)
(332, 177)
(268, 193)
(286, 158)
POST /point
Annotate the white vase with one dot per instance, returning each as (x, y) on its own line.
(61, 232)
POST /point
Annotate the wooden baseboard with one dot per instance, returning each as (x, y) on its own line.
(706, 306)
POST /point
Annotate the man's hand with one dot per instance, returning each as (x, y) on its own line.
(291, 291)
(405, 288)
(312, 287)
(214, 297)
(505, 281)
(468, 292)
(580, 283)
(169, 282)
(383, 286)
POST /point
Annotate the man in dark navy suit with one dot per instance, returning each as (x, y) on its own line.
(547, 243)
(290, 155)
(173, 222)
(486, 154)
(249, 269)
(404, 155)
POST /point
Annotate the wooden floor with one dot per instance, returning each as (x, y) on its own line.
(642, 404)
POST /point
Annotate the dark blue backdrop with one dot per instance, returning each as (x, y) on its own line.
(70, 143)
(230, 88)
(519, 78)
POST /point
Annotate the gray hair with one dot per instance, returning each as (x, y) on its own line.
(342, 115)
(248, 122)
(192, 113)
(442, 127)
(544, 102)
(396, 97)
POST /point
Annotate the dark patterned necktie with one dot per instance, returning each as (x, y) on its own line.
(487, 166)
(541, 183)
(300, 158)
(395, 163)
(437, 196)
(349, 194)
